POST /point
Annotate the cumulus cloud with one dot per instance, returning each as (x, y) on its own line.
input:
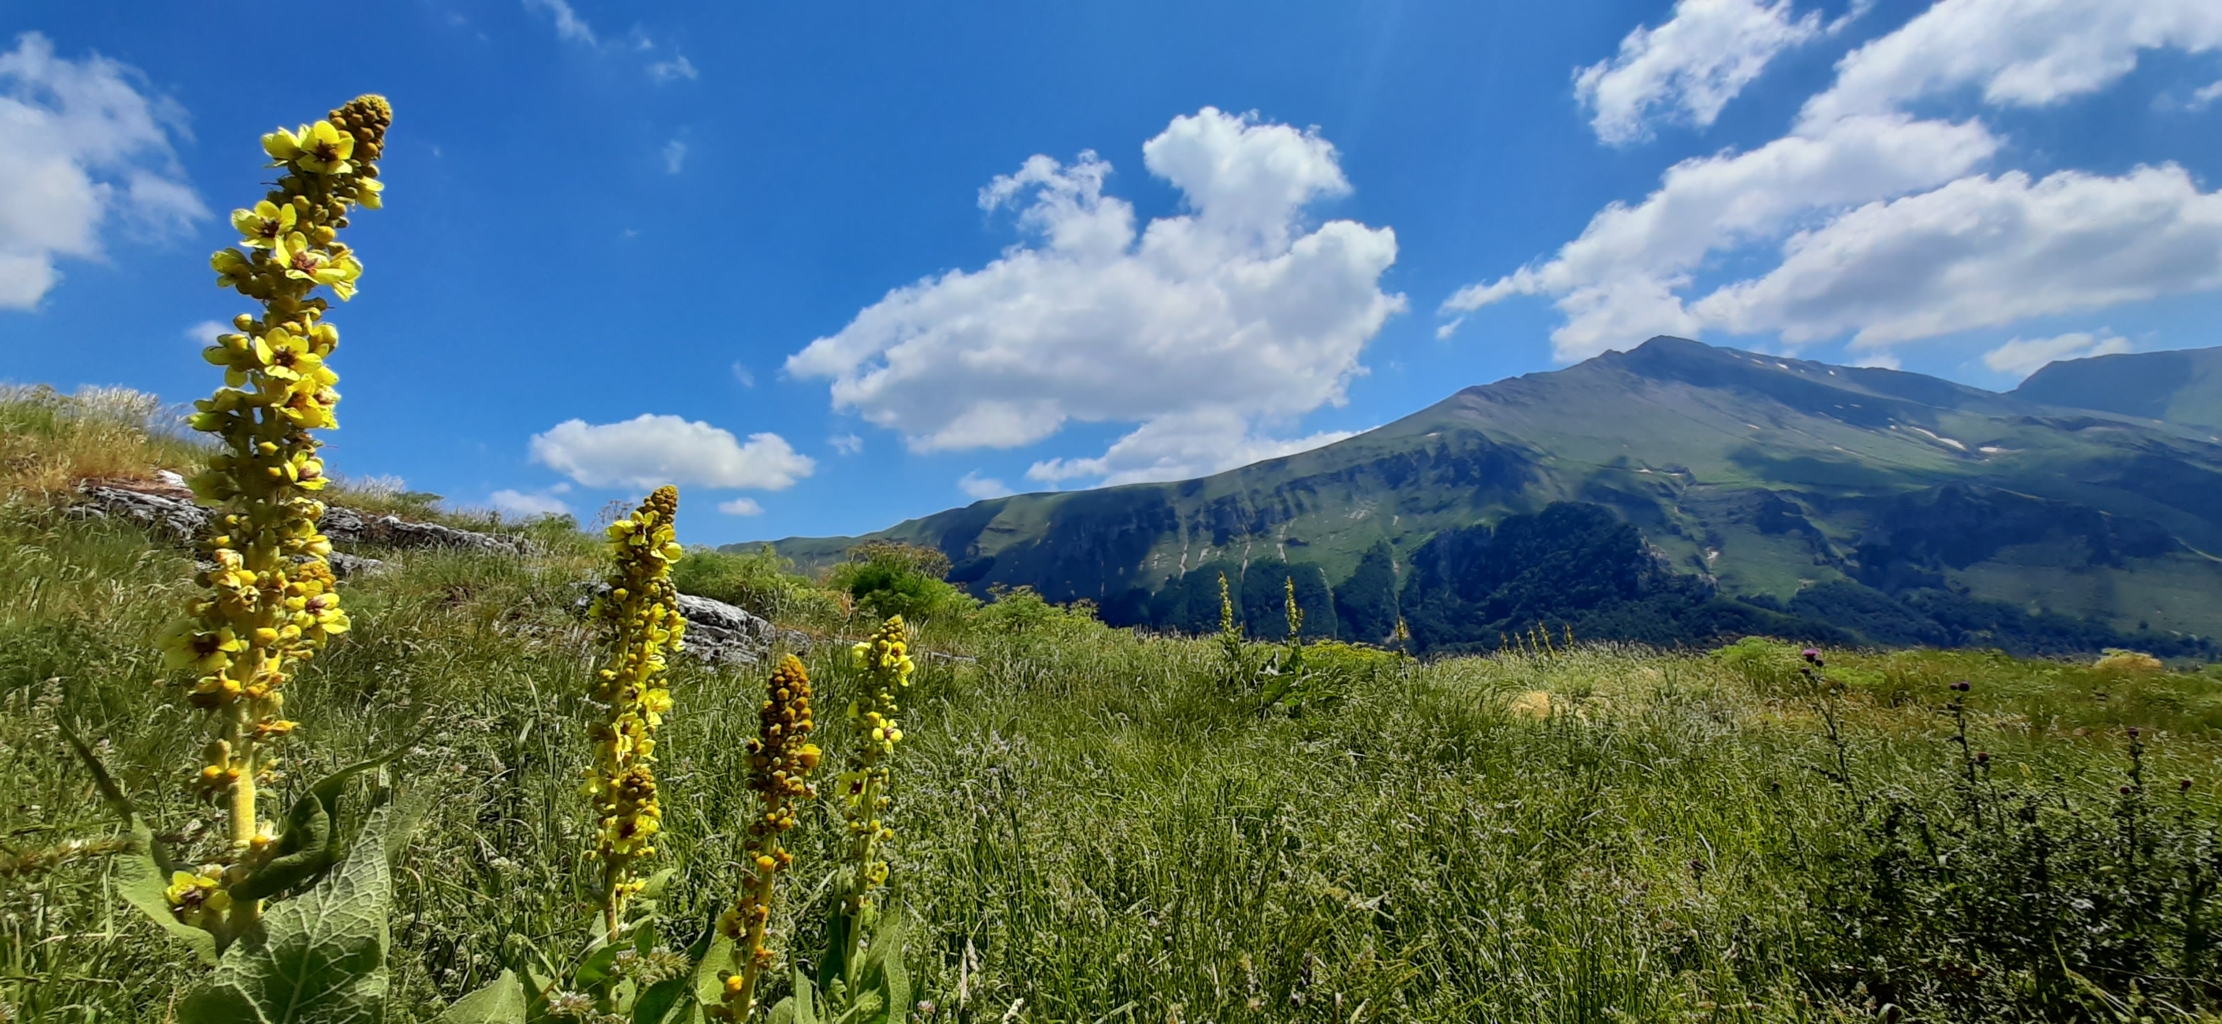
(568, 24)
(1619, 281)
(2026, 53)
(1180, 447)
(1848, 180)
(526, 506)
(1236, 308)
(207, 331)
(2022, 357)
(846, 444)
(651, 450)
(1982, 252)
(2204, 95)
(82, 147)
(675, 156)
(1689, 67)
(979, 487)
(741, 507)
(674, 69)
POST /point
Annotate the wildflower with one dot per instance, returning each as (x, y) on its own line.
(266, 227)
(268, 600)
(641, 615)
(320, 148)
(781, 758)
(198, 898)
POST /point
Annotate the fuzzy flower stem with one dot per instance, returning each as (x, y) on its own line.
(270, 599)
(781, 758)
(640, 612)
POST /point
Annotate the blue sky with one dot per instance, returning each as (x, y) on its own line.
(853, 263)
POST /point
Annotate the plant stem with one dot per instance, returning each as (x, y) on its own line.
(861, 882)
(743, 1002)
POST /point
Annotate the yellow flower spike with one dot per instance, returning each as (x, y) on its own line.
(268, 603)
(623, 787)
(781, 759)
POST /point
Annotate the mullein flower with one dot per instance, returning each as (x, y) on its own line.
(865, 798)
(641, 613)
(269, 599)
(780, 760)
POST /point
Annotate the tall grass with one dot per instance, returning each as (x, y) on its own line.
(1094, 827)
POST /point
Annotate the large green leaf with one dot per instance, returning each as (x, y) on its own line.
(502, 1001)
(717, 957)
(800, 1006)
(310, 843)
(141, 881)
(320, 958)
(665, 1002)
(143, 870)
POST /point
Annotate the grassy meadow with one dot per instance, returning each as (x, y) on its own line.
(1097, 826)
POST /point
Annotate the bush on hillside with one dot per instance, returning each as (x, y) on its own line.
(892, 578)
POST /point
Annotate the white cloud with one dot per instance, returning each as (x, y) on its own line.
(2022, 357)
(1617, 283)
(1180, 447)
(1444, 331)
(81, 146)
(651, 450)
(207, 331)
(676, 68)
(1982, 252)
(742, 376)
(980, 487)
(1878, 359)
(741, 507)
(568, 24)
(675, 156)
(1232, 309)
(1855, 172)
(2204, 95)
(1691, 66)
(846, 444)
(2028, 53)
(527, 506)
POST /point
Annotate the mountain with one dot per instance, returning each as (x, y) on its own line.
(2182, 387)
(1681, 491)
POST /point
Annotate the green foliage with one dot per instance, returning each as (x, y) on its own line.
(319, 958)
(1094, 825)
(1367, 601)
(886, 578)
(759, 581)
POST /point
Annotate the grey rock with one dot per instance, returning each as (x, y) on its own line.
(718, 633)
(182, 521)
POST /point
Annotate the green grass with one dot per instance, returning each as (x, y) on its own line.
(1096, 826)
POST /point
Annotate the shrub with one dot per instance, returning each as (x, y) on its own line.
(887, 578)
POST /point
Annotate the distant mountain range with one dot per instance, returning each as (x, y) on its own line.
(1678, 492)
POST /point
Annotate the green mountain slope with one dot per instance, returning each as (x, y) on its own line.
(1796, 486)
(2182, 387)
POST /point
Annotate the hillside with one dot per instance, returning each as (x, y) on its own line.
(2182, 387)
(1927, 510)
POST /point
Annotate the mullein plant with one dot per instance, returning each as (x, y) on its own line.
(781, 759)
(622, 973)
(861, 977)
(291, 916)
(640, 612)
